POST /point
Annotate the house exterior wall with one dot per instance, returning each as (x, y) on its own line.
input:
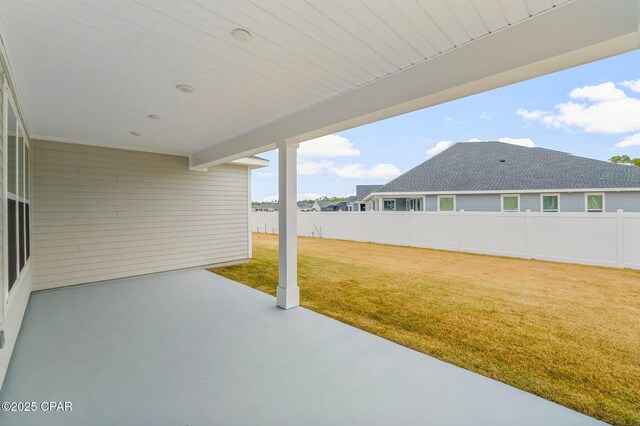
(570, 202)
(478, 202)
(431, 203)
(102, 213)
(627, 201)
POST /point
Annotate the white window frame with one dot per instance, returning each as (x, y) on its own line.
(586, 202)
(9, 296)
(542, 203)
(502, 197)
(447, 196)
(416, 200)
(384, 200)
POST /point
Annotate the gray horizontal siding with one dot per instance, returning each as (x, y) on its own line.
(530, 202)
(627, 201)
(478, 202)
(103, 213)
(431, 203)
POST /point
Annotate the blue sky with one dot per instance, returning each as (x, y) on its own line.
(592, 111)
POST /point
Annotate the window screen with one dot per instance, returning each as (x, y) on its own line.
(446, 204)
(550, 203)
(595, 202)
(510, 203)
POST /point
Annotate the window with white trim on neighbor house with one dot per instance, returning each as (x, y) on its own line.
(446, 203)
(595, 203)
(17, 221)
(415, 204)
(389, 205)
(510, 203)
(550, 203)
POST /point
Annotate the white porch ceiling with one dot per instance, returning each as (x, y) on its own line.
(90, 71)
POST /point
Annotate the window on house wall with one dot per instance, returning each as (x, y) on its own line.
(17, 223)
(389, 205)
(510, 203)
(446, 203)
(550, 202)
(415, 204)
(595, 203)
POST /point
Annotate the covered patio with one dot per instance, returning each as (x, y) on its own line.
(193, 348)
(129, 132)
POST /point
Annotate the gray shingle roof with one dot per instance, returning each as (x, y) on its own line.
(324, 203)
(497, 166)
(363, 190)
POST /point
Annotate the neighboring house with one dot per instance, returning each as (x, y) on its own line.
(325, 206)
(495, 177)
(329, 206)
(303, 206)
(357, 204)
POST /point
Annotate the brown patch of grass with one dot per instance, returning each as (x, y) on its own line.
(569, 333)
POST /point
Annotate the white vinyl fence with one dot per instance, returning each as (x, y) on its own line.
(606, 239)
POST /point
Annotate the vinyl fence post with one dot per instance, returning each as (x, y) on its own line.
(620, 239)
(371, 213)
(411, 226)
(528, 236)
(461, 230)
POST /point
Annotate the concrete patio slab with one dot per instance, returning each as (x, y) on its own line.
(193, 348)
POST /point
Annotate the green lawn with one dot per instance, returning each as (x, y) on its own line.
(568, 333)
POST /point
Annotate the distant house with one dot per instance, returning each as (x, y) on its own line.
(325, 206)
(303, 206)
(499, 177)
(357, 203)
(332, 206)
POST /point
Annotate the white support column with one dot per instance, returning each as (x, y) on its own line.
(288, 294)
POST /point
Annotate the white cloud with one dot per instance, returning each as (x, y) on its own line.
(474, 140)
(600, 93)
(633, 140)
(607, 110)
(609, 117)
(329, 146)
(439, 147)
(485, 115)
(358, 171)
(531, 115)
(265, 174)
(310, 196)
(307, 168)
(632, 84)
(353, 171)
(518, 141)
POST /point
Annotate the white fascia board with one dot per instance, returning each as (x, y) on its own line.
(573, 34)
(252, 162)
(506, 191)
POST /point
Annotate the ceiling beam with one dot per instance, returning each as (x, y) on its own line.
(576, 33)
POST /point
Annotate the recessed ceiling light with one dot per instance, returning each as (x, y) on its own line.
(185, 88)
(241, 34)
(153, 116)
(134, 133)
